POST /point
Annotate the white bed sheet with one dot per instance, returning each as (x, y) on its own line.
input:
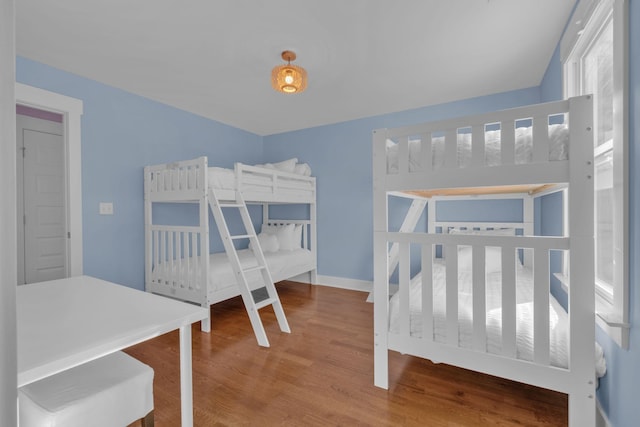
(262, 189)
(225, 179)
(222, 178)
(558, 148)
(558, 332)
(280, 263)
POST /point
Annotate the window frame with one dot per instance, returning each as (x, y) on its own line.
(586, 24)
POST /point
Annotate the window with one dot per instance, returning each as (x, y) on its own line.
(594, 55)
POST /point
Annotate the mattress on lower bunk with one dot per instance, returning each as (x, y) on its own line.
(558, 148)
(558, 318)
(282, 265)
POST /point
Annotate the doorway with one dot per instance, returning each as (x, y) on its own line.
(71, 110)
(41, 196)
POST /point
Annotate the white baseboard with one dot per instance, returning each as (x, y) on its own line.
(341, 282)
(393, 288)
(601, 418)
(303, 278)
(352, 284)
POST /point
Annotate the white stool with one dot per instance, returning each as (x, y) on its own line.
(114, 390)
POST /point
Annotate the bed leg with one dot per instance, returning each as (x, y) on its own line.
(314, 277)
(380, 364)
(205, 324)
(582, 410)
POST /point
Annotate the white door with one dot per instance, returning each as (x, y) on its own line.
(41, 210)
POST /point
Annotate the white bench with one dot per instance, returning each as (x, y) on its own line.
(114, 390)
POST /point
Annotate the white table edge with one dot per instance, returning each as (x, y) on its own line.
(183, 324)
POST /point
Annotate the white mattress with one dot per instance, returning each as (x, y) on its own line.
(257, 187)
(222, 178)
(280, 263)
(558, 332)
(558, 148)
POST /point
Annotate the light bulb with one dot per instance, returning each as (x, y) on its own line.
(288, 79)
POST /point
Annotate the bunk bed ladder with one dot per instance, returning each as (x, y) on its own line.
(254, 299)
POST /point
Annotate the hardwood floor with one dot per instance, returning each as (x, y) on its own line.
(322, 374)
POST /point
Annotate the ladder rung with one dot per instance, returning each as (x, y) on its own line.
(264, 303)
(241, 236)
(254, 268)
(231, 205)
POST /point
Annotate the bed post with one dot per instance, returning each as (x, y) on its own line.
(582, 401)
(148, 243)
(313, 228)
(431, 216)
(527, 220)
(205, 324)
(380, 264)
(265, 214)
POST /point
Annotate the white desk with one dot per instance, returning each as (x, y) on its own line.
(64, 323)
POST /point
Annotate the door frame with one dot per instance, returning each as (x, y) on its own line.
(71, 109)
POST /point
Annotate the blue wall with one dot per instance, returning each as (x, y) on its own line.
(499, 210)
(551, 86)
(122, 133)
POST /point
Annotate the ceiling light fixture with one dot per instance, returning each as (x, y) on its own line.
(289, 78)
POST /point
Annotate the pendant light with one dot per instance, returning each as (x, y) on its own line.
(289, 78)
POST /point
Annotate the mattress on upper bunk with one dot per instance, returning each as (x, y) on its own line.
(558, 318)
(223, 178)
(558, 148)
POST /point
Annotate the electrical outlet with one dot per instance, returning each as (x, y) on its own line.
(106, 208)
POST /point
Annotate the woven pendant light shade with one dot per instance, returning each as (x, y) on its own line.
(289, 78)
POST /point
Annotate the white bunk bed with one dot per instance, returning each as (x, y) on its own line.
(501, 320)
(174, 265)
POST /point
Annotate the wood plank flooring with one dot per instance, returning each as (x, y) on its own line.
(322, 374)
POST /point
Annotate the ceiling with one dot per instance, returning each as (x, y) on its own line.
(364, 57)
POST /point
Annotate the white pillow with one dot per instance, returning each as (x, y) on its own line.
(494, 232)
(297, 237)
(493, 259)
(286, 165)
(268, 242)
(303, 169)
(266, 166)
(493, 255)
(285, 235)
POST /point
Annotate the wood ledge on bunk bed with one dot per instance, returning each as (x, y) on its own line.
(530, 189)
